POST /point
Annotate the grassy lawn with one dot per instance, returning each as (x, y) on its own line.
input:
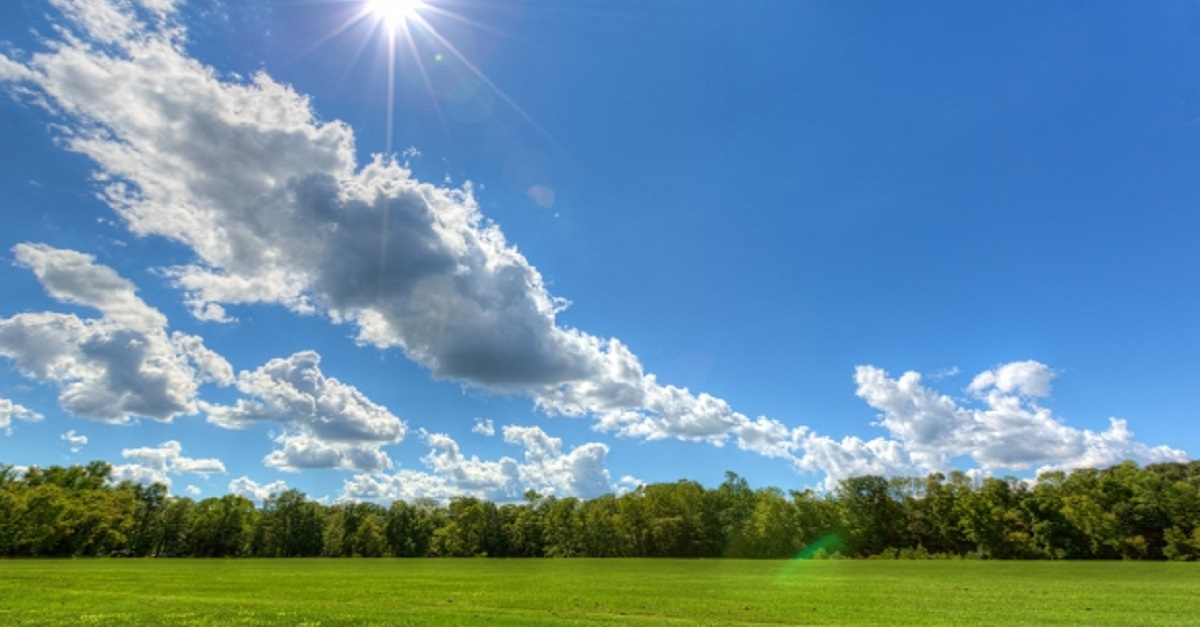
(522, 592)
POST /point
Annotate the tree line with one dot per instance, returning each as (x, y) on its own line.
(1121, 512)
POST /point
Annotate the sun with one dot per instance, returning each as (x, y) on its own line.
(399, 25)
(395, 13)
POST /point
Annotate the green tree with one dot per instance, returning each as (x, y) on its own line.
(870, 517)
(563, 528)
(733, 503)
(290, 525)
(409, 529)
(601, 529)
(150, 502)
(773, 529)
(176, 538)
(222, 527)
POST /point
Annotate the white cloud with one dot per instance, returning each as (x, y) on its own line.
(156, 464)
(1030, 379)
(13, 71)
(944, 373)
(1011, 431)
(328, 424)
(251, 489)
(769, 437)
(470, 474)
(73, 277)
(302, 452)
(75, 440)
(192, 491)
(629, 483)
(484, 426)
(114, 368)
(405, 485)
(10, 411)
(414, 266)
(546, 468)
(581, 472)
(1112, 446)
(852, 456)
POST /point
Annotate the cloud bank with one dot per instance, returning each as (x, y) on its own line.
(546, 468)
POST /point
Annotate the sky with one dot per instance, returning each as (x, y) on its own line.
(376, 250)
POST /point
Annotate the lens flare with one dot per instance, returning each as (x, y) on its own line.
(820, 549)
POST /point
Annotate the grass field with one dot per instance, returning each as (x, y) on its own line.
(560, 591)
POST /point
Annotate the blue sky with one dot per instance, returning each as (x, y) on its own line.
(604, 243)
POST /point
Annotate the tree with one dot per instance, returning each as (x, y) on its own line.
(176, 538)
(290, 526)
(870, 517)
(150, 502)
(365, 530)
(601, 530)
(409, 529)
(222, 527)
(563, 528)
(773, 529)
(732, 504)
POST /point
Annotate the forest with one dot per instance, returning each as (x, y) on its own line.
(1121, 512)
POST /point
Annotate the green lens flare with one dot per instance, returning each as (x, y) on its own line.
(817, 550)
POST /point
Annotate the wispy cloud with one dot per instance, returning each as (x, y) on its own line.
(75, 440)
(10, 411)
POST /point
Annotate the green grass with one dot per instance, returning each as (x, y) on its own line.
(651, 592)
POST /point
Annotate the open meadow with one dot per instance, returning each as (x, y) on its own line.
(587, 591)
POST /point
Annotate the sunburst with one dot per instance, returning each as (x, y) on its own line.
(398, 24)
(395, 13)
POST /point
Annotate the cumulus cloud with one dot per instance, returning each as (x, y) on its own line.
(10, 411)
(546, 469)
(251, 489)
(327, 423)
(1010, 432)
(156, 464)
(75, 440)
(852, 456)
(202, 161)
(1030, 379)
(484, 426)
(403, 485)
(114, 368)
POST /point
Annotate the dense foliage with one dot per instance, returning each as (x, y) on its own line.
(1120, 512)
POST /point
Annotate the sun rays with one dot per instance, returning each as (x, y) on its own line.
(395, 13)
(407, 30)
